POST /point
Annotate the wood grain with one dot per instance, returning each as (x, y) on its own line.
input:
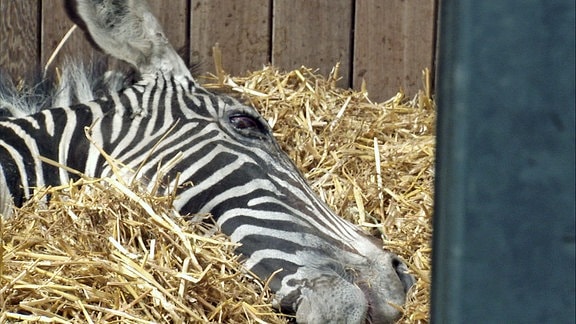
(241, 29)
(313, 33)
(385, 42)
(19, 37)
(393, 43)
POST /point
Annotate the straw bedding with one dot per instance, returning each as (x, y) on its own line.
(105, 251)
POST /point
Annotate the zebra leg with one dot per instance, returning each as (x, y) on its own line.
(128, 31)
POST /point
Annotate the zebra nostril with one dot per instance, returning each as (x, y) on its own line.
(401, 269)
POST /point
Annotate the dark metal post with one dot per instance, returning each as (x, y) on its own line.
(504, 220)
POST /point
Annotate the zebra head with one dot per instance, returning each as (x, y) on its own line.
(321, 267)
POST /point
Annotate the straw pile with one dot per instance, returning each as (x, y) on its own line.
(105, 251)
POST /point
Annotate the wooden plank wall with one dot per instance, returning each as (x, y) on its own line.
(387, 43)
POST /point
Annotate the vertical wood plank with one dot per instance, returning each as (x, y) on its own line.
(19, 35)
(393, 39)
(241, 28)
(394, 42)
(316, 34)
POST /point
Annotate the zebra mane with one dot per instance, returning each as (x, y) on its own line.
(78, 82)
(23, 98)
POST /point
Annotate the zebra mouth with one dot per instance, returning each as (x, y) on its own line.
(380, 309)
(370, 302)
(375, 312)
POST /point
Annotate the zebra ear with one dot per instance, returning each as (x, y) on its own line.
(128, 31)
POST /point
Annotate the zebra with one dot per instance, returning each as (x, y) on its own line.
(320, 267)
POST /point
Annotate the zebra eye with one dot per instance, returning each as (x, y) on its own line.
(248, 126)
(244, 122)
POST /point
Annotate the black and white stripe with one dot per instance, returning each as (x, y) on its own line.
(226, 150)
(166, 127)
